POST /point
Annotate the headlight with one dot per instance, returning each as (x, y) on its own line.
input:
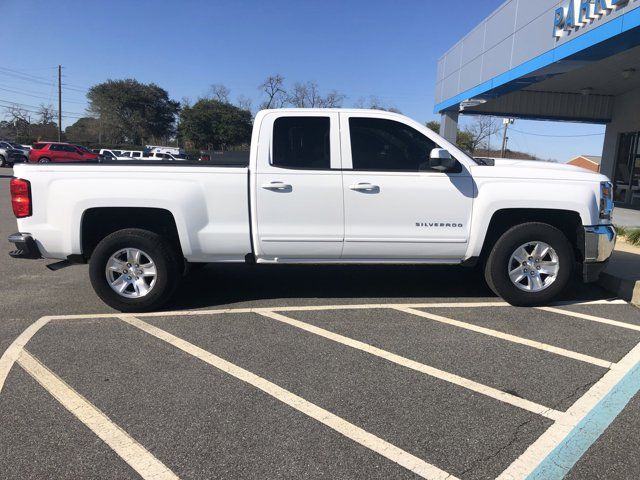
(606, 200)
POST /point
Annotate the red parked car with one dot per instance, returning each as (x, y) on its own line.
(45, 152)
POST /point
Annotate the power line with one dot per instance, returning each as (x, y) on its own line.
(49, 98)
(557, 136)
(28, 109)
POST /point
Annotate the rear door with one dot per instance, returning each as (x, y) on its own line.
(298, 189)
(395, 206)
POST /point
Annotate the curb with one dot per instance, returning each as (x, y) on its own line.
(624, 288)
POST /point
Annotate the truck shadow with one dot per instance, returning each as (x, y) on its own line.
(216, 285)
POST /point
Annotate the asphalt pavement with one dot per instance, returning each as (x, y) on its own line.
(312, 372)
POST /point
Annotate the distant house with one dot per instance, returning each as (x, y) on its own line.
(589, 162)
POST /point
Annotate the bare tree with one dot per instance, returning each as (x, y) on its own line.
(220, 92)
(333, 99)
(15, 113)
(47, 114)
(480, 131)
(245, 103)
(307, 95)
(20, 119)
(273, 88)
(374, 103)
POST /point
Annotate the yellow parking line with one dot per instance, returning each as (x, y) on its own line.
(357, 434)
(419, 367)
(510, 338)
(138, 457)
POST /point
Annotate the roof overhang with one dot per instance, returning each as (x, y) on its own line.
(555, 85)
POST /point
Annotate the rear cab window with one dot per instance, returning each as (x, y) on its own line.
(302, 143)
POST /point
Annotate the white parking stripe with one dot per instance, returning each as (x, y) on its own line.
(419, 367)
(12, 353)
(357, 434)
(592, 318)
(560, 432)
(139, 458)
(511, 338)
(311, 308)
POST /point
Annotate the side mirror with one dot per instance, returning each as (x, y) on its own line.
(441, 160)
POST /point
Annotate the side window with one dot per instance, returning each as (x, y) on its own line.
(55, 148)
(302, 143)
(387, 145)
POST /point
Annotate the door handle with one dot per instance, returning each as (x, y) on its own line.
(276, 186)
(365, 187)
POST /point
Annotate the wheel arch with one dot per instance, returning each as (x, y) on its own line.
(97, 223)
(568, 222)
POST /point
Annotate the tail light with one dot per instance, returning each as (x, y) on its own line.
(20, 197)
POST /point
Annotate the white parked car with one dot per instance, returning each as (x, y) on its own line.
(109, 154)
(166, 156)
(321, 187)
(132, 154)
(150, 149)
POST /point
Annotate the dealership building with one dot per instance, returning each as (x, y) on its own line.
(569, 60)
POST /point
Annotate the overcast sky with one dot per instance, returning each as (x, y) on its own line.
(361, 48)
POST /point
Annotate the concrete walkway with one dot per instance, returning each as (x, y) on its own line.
(625, 217)
(622, 276)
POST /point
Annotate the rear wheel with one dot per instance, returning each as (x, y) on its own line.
(44, 160)
(3, 161)
(135, 270)
(530, 264)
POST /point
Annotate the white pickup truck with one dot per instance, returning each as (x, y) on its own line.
(320, 186)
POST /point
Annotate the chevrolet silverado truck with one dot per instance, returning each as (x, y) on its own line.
(320, 186)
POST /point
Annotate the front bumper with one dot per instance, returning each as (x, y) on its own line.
(599, 242)
(26, 246)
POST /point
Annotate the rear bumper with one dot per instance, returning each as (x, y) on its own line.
(599, 242)
(26, 246)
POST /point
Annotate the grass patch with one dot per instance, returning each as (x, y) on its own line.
(631, 235)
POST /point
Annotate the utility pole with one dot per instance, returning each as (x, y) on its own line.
(59, 103)
(506, 122)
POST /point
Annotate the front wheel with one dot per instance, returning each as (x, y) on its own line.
(3, 162)
(135, 270)
(530, 264)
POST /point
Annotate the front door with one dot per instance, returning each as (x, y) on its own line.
(298, 190)
(395, 207)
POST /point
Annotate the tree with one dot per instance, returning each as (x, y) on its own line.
(474, 136)
(433, 125)
(20, 119)
(213, 124)
(273, 88)
(47, 113)
(132, 112)
(85, 130)
(479, 132)
(244, 103)
(220, 93)
(374, 103)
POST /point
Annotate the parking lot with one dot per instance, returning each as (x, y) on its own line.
(307, 372)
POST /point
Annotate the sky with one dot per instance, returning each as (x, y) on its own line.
(383, 48)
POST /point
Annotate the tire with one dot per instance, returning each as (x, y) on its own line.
(3, 162)
(44, 160)
(535, 288)
(164, 256)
